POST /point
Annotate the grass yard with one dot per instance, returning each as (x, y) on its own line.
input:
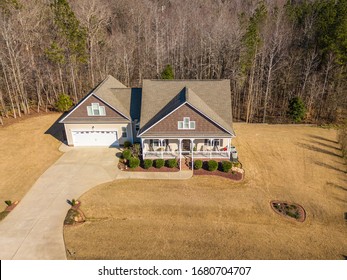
(208, 217)
(26, 152)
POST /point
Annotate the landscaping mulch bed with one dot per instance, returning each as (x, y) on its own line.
(74, 216)
(152, 169)
(8, 209)
(236, 176)
(289, 210)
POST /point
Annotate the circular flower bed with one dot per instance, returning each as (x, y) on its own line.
(290, 210)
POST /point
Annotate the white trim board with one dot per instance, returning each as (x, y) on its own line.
(86, 98)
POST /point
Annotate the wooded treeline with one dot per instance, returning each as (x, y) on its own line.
(271, 51)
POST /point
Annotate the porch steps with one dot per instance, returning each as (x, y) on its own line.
(186, 162)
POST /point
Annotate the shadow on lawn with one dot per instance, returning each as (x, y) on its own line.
(57, 129)
(337, 186)
(317, 149)
(325, 145)
(329, 166)
(322, 138)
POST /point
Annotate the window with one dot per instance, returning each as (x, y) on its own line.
(96, 110)
(155, 143)
(124, 132)
(213, 142)
(186, 124)
(217, 142)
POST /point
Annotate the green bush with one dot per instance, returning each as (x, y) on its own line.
(212, 165)
(197, 164)
(226, 166)
(134, 162)
(236, 164)
(126, 154)
(167, 73)
(8, 202)
(127, 144)
(296, 109)
(147, 163)
(63, 103)
(159, 163)
(172, 162)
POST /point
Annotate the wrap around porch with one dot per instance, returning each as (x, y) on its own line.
(180, 147)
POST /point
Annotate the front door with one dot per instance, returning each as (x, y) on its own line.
(185, 145)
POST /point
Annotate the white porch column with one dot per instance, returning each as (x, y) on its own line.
(229, 147)
(192, 148)
(161, 148)
(179, 149)
(211, 145)
(142, 147)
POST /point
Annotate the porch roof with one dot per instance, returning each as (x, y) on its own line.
(193, 136)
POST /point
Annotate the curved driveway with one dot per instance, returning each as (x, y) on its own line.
(34, 229)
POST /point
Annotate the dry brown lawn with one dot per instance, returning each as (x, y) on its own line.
(214, 218)
(25, 153)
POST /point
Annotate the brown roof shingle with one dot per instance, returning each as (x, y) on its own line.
(211, 97)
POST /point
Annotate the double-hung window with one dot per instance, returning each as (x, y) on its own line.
(186, 124)
(96, 110)
(155, 143)
(124, 132)
(213, 142)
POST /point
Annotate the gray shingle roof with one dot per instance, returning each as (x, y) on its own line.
(211, 97)
(126, 101)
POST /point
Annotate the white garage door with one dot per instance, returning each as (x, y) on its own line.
(95, 138)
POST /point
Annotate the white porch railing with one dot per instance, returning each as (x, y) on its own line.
(211, 154)
(160, 154)
(195, 154)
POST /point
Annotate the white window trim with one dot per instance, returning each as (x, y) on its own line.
(124, 130)
(186, 120)
(96, 106)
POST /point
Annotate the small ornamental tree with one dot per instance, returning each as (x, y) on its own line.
(167, 73)
(296, 109)
(63, 103)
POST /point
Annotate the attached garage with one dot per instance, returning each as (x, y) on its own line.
(94, 138)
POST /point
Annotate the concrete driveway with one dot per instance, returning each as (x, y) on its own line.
(34, 230)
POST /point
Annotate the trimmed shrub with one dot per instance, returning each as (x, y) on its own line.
(226, 166)
(134, 162)
(197, 164)
(126, 154)
(212, 165)
(172, 162)
(159, 163)
(127, 144)
(147, 163)
(236, 164)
